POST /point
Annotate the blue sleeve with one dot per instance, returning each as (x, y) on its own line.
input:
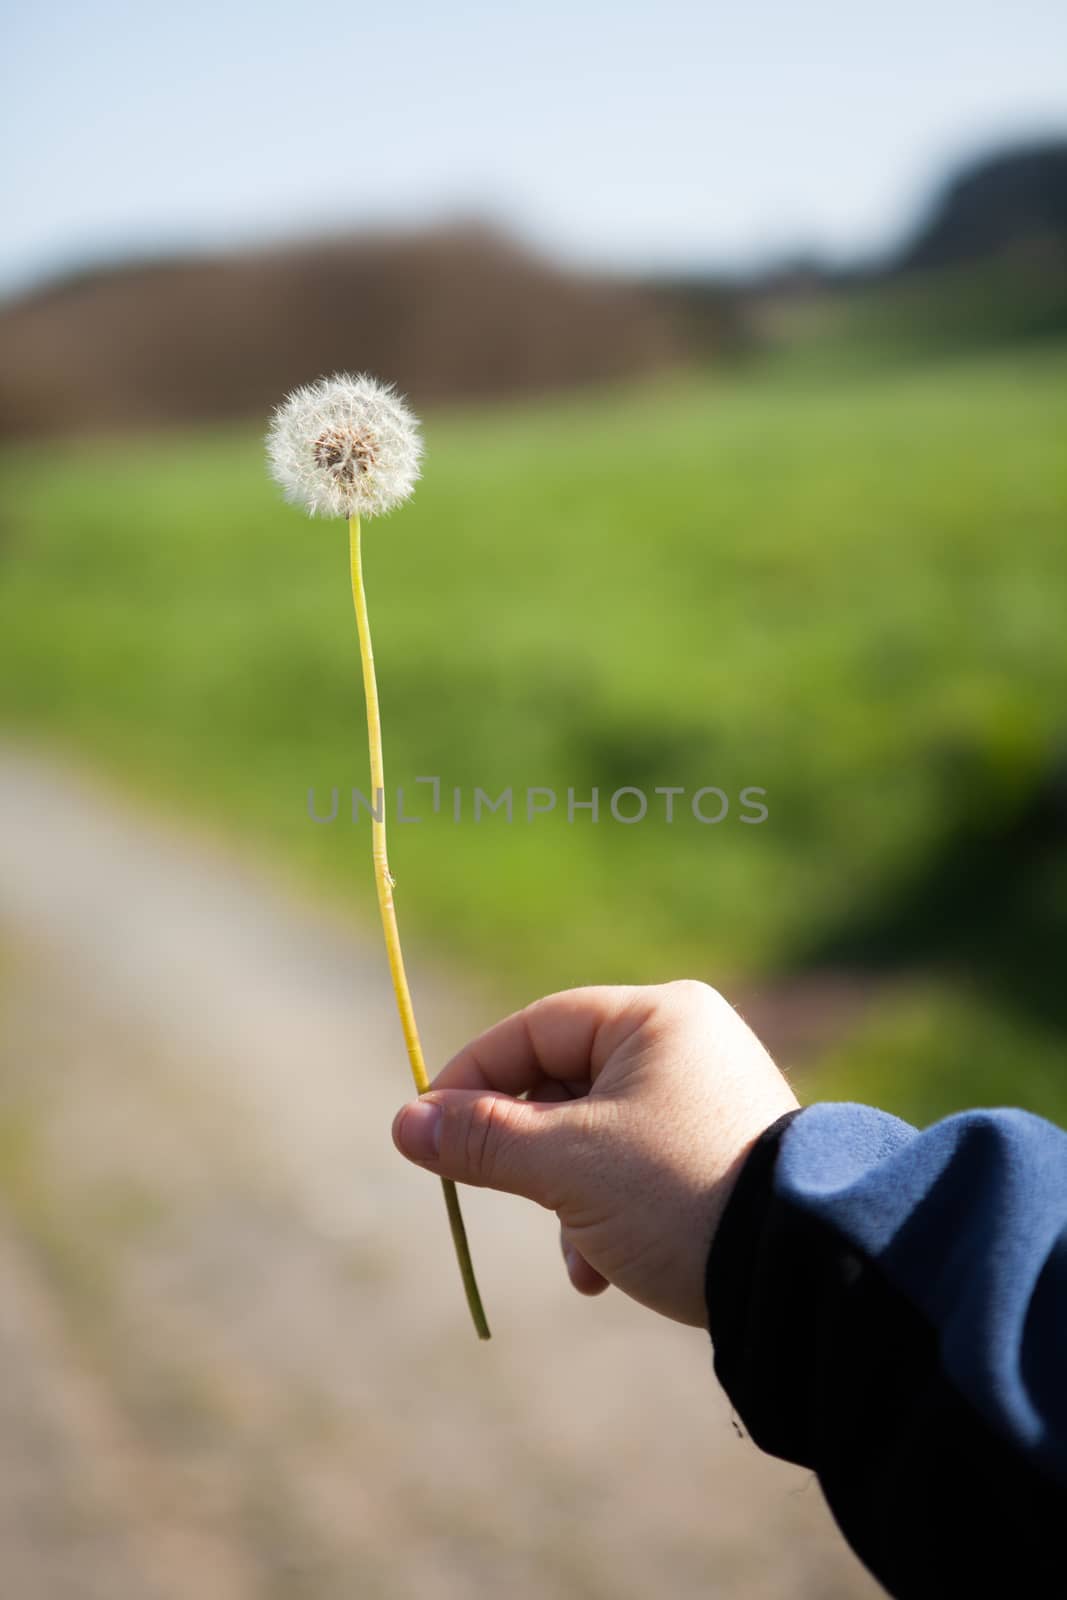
(889, 1308)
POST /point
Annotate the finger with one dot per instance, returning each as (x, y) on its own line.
(586, 1279)
(566, 1037)
(494, 1140)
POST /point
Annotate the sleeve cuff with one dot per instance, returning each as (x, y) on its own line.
(733, 1317)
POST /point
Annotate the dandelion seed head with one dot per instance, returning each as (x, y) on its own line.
(344, 446)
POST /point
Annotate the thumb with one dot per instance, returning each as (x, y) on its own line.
(488, 1139)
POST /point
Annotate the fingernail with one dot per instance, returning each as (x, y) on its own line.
(419, 1131)
(570, 1256)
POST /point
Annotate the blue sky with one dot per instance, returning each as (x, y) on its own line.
(666, 133)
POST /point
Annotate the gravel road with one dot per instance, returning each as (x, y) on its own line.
(235, 1355)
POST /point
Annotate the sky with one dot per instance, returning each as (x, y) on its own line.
(637, 134)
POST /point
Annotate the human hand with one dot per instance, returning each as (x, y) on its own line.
(637, 1109)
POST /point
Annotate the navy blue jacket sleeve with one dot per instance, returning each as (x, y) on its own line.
(889, 1308)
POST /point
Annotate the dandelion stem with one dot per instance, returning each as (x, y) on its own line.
(384, 884)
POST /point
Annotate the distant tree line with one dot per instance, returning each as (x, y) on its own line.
(463, 313)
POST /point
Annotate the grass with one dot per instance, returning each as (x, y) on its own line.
(936, 1048)
(1016, 299)
(848, 591)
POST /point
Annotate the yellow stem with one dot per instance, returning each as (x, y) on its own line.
(384, 883)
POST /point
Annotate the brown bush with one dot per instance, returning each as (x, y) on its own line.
(455, 313)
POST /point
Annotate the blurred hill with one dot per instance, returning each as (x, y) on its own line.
(452, 313)
(1017, 197)
(986, 266)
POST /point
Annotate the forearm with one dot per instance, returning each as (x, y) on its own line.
(888, 1308)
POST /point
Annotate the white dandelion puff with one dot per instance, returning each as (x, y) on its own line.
(345, 446)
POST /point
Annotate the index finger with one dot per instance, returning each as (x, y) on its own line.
(566, 1036)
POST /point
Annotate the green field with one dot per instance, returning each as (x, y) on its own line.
(849, 591)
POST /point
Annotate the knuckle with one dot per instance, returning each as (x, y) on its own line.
(693, 993)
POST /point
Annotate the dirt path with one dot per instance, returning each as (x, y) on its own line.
(235, 1358)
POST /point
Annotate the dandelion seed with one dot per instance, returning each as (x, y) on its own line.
(345, 446)
(349, 447)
